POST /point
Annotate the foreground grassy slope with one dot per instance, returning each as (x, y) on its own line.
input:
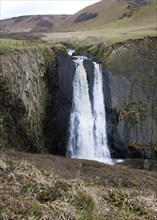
(49, 187)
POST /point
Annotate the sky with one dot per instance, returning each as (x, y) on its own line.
(11, 8)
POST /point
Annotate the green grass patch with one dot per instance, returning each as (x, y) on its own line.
(9, 44)
(84, 204)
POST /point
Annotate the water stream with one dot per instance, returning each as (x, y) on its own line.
(87, 132)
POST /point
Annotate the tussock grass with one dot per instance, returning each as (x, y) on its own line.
(30, 193)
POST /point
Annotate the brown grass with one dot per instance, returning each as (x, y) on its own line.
(29, 190)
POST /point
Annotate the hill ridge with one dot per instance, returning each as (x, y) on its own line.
(94, 16)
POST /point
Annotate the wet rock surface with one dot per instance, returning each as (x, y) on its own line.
(60, 104)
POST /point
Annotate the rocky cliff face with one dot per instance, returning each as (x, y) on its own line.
(133, 82)
(36, 98)
(24, 96)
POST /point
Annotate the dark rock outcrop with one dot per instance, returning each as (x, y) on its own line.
(132, 72)
(133, 80)
(60, 103)
(85, 17)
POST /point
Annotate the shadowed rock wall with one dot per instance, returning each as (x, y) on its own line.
(60, 103)
(133, 77)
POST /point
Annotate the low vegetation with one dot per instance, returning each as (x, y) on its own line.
(28, 192)
(10, 44)
(106, 36)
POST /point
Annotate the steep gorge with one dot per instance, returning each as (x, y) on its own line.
(36, 98)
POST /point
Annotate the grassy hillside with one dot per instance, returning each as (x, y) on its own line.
(143, 16)
(94, 16)
(113, 13)
(9, 44)
(114, 21)
(49, 187)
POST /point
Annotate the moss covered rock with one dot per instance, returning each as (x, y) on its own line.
(24, 97)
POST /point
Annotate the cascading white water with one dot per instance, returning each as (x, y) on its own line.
(88, 139)
(81, 139)
(100, 136)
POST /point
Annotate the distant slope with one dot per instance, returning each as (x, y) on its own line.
(101, 15)
(31, 23)
(106, 12)
(94, 16)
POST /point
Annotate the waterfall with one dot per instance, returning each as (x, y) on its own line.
(99, 116)
(87, 138)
